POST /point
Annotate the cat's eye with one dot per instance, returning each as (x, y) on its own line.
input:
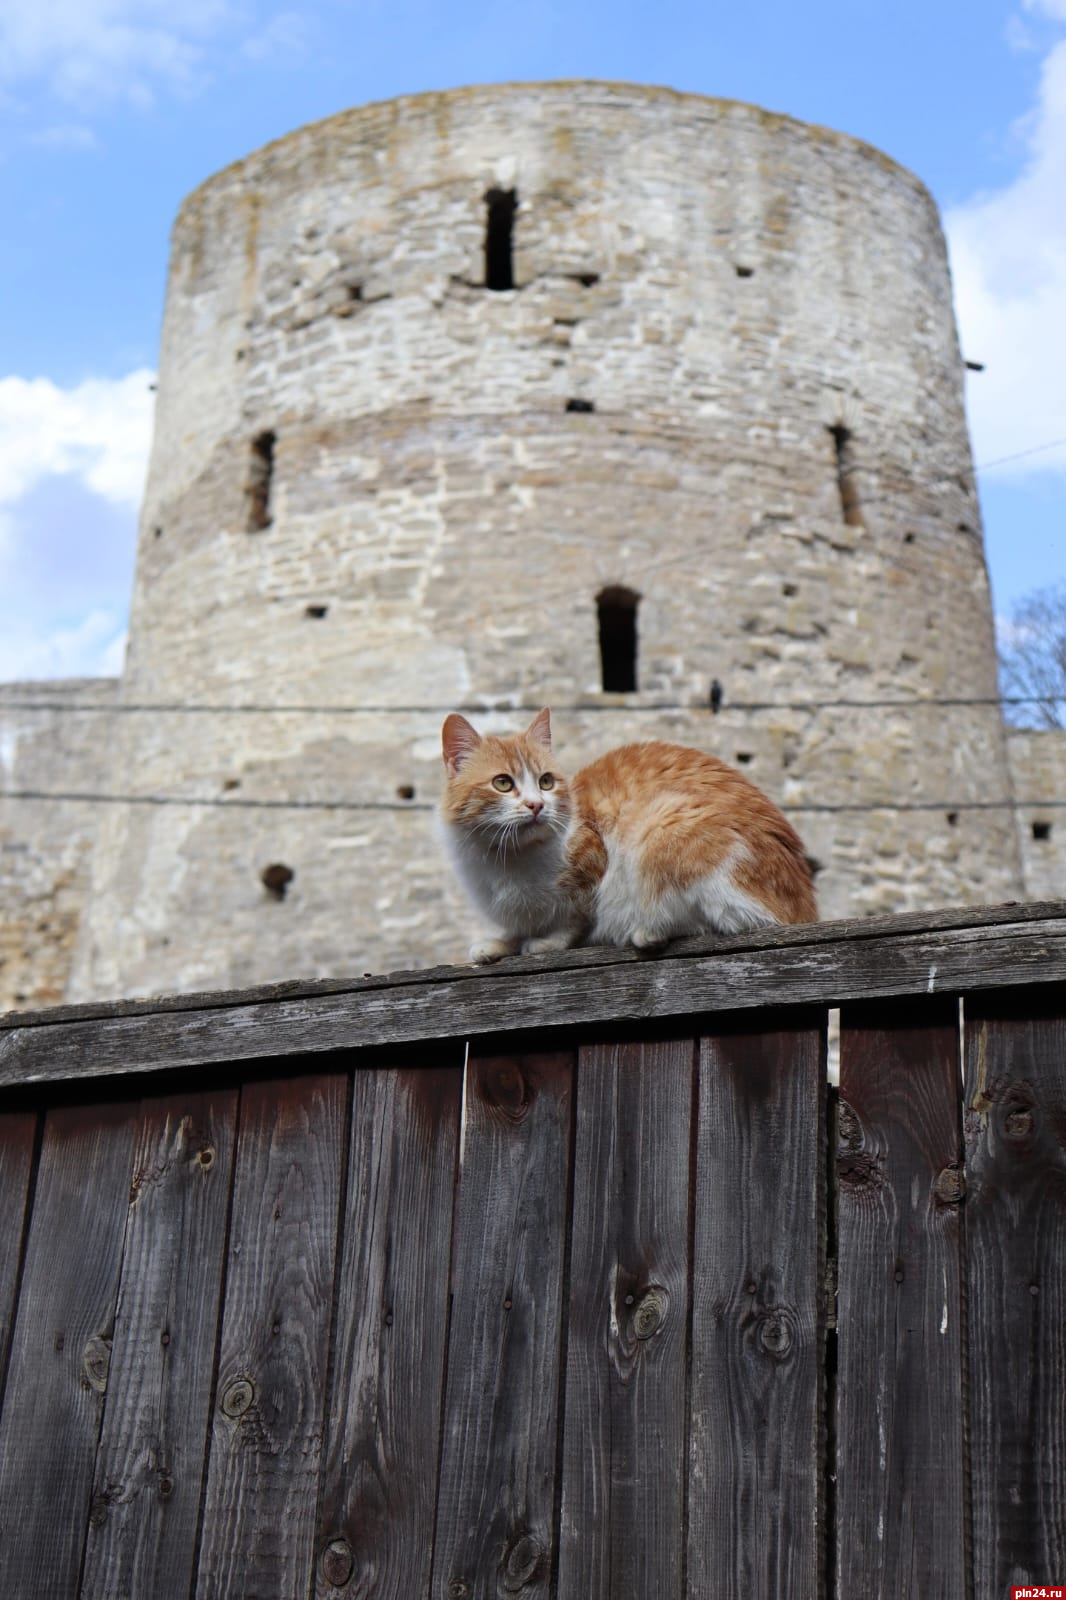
(502, 782)
(547, 780)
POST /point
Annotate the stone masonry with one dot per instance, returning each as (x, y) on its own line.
(438, 375)
(50, 743)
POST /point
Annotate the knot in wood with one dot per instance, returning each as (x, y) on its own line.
(98, 1510)
(237, 1397)
(206, 1157)
(775, 1334)
(96, 1362)
(337, 1563)
(650, 1313)
(950, 1186)
(458, 1589)
(521, 1561)
(856, 1168)
(1018, 1124)
(504, 1087)
(849, 1129)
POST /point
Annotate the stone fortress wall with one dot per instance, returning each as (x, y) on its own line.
(49, 744)
(450, 382)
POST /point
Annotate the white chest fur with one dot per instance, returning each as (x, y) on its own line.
(517, 890)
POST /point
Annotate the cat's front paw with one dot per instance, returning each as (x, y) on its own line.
(547, 944)
(646, 939)
(485, 951)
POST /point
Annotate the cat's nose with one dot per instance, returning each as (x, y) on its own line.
(536, 806)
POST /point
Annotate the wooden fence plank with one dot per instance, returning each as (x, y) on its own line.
(624, 1432)
(263, 1475)
(380, 1480)
(900, 1494)
(17, 1133)
(495, 1508)
(755, 1493)
(150, 1464)
(1015, 1127)
(858, 930)
(60, 1348)
(598, 986)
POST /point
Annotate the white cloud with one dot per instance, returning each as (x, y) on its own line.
(1008, 251)
(88, 51)
(90, 647)
(99, 431)
(285, 35)
(72, 469)
(64, 136)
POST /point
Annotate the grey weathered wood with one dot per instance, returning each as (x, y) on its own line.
(755, 1492)
(1011, 911)
(383, 1420)
(900, 1495)
(266, 1441)
(17, 1133)
(495, 1508)
(818, 967)
(58, 1371)
(150, 1463)
(1015, 1243)
(624, 1439)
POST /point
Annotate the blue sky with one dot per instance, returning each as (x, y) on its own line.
(112, 110)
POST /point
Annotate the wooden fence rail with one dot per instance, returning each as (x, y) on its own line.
(556, 1280)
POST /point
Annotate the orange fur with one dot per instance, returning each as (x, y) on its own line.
(648, 842)
(683, 810)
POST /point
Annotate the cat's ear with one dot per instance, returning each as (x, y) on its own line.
(458, 740)
(540, 729)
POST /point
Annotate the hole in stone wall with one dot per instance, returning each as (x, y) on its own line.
(1042, 831)
(744, 758)
(353, 297)
(587, 280)
(405, 791)
(501, 205)
(745, 272)
(909, 538)
(953, 819)
(260, 481)
(617, 608)
(581, 405)
(276, 879)
(231, 783)
(158, 532)
(846, 479)
(317, 612)
(789, 589)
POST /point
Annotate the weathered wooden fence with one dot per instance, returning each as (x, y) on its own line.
(537, 1281)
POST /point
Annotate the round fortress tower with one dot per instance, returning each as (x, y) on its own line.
(574, 394)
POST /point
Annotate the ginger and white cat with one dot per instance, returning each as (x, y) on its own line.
(648, 843)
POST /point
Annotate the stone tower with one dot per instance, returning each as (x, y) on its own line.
(574, 394)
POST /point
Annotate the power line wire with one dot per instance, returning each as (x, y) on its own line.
(88, 797)
(1034, 450)
(250, 708)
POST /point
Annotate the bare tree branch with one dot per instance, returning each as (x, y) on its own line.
(1032, 659)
